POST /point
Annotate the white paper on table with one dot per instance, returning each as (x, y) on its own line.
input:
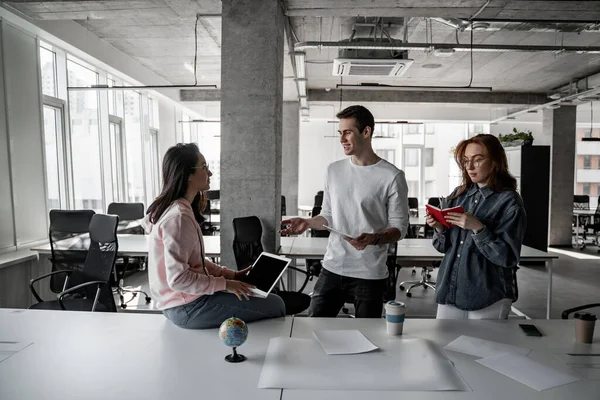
(302, 364)
(483, 348)
(5, 354)
(344, 341)
(527, 371)
(13, 346)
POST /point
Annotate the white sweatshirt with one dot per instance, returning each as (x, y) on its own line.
(362, 199)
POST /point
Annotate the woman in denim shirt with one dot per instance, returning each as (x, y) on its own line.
(477, 277)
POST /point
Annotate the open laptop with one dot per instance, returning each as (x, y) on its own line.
(266, 272)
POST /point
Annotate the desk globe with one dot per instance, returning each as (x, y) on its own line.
(233, 333)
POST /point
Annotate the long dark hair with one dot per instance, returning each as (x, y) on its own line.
(178, 164)
(500, 179)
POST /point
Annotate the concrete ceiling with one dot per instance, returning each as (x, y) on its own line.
(160, 35)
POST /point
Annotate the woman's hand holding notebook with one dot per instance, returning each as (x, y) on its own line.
(439, 215)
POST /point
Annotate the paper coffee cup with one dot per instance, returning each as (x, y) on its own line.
(394, 317)
(584, 327)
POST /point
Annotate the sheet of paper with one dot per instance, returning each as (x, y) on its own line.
(527, 371)
(5, 354)
(302, 364)
(483, 348)
(344, 342)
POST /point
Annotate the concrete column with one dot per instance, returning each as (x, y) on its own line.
(290, 151)
(251, 118)
(560, 125)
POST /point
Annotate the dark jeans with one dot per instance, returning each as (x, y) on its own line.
(333, 290)
(210, 311)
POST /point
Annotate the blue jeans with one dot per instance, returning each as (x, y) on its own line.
(210, 311)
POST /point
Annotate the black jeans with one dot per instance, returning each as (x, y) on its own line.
(333, 290)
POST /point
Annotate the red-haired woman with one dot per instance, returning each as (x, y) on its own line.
(477, 277)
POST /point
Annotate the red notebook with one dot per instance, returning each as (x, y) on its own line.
(439, 215)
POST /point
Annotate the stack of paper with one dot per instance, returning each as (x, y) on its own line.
(512, 361)
(8, 348)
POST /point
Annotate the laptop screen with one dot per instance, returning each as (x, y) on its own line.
(266, 271)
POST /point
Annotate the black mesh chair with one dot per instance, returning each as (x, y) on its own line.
(319, 199)
(94, 279)
(69, 241)
(247, 246)
(283, 207)
(581, 202)
(207, 227)
(313, 265)
(215, 197)
(129, 214)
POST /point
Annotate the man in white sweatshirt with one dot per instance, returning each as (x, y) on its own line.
(365, 197)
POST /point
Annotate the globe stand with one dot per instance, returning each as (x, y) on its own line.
(235, 357)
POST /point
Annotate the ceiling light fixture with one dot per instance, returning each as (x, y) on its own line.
(431, 66)
(415, 88)
(441, 52)
(106, 87)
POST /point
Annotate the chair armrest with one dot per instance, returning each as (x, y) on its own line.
(31, 282)
(565, 314)
(75, 288)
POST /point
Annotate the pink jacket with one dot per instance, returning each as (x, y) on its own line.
(175, 270)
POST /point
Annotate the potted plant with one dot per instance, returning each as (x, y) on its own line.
(517, 138)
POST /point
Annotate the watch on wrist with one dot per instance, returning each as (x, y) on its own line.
(377, 239)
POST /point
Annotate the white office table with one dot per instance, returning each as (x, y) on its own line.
(98, 356)
(415, 250)
(485, 383)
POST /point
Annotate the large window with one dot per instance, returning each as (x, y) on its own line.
(85, 144)
(209, 141)
(155, 175)
(388, 155)
(133, 145)
(411, 157)
(586, 189)
(117, 164)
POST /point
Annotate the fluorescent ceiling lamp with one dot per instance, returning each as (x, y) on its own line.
(299, 57)
(106, 87)
(443, 52)
(198, 121)
(415, 88)
(385, 122)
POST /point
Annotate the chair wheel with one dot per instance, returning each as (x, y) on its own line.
(123, 306)
(409, 294)
(428, 276)
(148, 299)
(424, 287)
(413, 272)
(401, 287)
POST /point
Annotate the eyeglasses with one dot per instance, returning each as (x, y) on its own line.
(205, 167)
(475, 161)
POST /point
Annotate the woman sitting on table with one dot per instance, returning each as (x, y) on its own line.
(192, 291)
(477, 277)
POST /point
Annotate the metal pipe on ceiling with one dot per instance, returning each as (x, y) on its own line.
(482, 48)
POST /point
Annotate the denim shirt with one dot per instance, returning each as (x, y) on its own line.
(479, 269)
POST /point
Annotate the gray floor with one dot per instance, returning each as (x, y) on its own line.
(576, 281)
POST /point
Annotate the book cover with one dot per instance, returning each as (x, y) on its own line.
(439, 215)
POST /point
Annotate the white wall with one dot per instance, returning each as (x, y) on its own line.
(22, 101)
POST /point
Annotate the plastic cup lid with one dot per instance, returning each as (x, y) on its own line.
(585, 316)
(395, 303)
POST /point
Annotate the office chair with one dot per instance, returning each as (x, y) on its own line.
(413, 231)
(393, 269)
(424, 282)
(94, 280)
(319, 199)
(565, 314)
(283, 207)
(247, 247)
(413, 206)
(128, 212)
(69, 243)
(595, 227)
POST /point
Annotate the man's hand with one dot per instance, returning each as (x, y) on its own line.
(361, 241)
(294, 226)
(241, 273)
(432, 222)
(465, 221)
(239, 289)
